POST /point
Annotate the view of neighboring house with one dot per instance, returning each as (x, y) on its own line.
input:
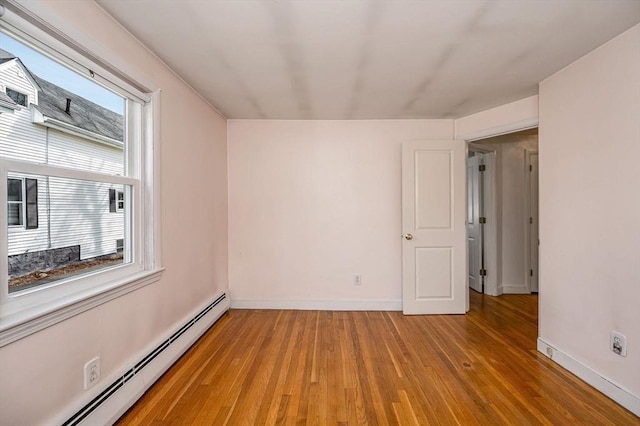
(52, 220)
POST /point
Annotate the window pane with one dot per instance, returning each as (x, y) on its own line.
(19, 98)
(73, 122)
(14, 189)
(75, 233)
(15, 214)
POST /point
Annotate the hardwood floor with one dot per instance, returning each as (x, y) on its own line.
(380, 368)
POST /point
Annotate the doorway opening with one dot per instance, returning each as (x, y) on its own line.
(502, 214)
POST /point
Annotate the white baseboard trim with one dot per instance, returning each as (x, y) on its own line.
(105, 404)
(592, 377)
(513, 289)
(498, 292)
(320, 305)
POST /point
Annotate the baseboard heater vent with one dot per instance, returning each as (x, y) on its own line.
(118, 383)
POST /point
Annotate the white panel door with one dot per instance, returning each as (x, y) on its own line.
(434, 260)
(474, 227)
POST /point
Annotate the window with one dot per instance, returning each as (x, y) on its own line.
(58, 169)
(22, 203)
(19, 98)
(120, 201)
(116, 201)
(15, 202)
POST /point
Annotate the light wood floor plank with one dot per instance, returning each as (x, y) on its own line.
(256, 367)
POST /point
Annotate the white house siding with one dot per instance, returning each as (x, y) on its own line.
(78, 153)
(80, 215)
(19, 138)
(12, 76)
(78, 211)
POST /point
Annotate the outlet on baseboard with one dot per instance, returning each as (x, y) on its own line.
(91, 372)
(357, 279)
(618, 343)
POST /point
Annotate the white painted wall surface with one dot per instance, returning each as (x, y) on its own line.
(311, 203)
(511, 204)
(590, 208)
(41, 375)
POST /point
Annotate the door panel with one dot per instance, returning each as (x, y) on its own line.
(434, 267)
(433, 273)
(474, 228)
(433, 189)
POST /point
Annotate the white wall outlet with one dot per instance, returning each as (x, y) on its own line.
(618, 343)
(357, 279)
(91, 372)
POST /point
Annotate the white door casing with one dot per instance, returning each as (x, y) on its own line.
(474, 227)
(434, 252)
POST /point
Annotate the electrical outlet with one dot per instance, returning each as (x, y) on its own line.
(357, 279)
(91, 372)
(618, 343)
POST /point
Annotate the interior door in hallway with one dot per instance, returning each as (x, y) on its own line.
(474, 225)
(434, 260)
(533, 238)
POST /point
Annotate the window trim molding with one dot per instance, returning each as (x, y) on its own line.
(24, 323)
(77, 50)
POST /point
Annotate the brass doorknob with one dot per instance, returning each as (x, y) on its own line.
(408, 237)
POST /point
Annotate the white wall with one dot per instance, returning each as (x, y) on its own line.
(41, 375)
(311, 203)
(511, 200)
(590, 209)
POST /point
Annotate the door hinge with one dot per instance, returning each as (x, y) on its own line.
(483, 272)
(530, 167)
(530, 272)
(482, 167)
(530, 220)
(482, 219)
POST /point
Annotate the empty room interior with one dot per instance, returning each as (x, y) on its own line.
(319, 212)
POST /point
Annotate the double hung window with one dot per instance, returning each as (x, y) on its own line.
(15, 202)
(82, 149)
(22, 202)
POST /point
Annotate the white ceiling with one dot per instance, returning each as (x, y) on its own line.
(366, 59)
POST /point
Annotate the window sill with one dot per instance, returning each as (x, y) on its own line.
(24, 323)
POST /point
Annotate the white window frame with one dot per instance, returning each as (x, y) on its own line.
(23, 201)
(25, 312)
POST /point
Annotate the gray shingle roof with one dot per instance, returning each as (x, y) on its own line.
(84, 114)
(5, 56)
(52, 102)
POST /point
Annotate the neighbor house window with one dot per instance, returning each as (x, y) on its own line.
(19, 98)
(58, 169)
(116, 201)
(22, 203)
(15, 202)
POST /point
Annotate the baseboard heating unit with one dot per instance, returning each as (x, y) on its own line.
(123, 392)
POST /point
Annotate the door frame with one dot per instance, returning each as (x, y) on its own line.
(527, 211)
(490, 208)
